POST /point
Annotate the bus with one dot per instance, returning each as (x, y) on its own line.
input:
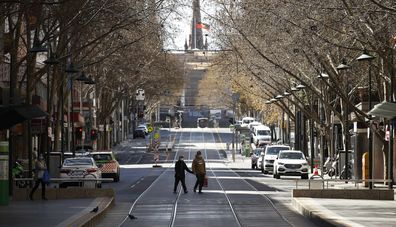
(202, 122)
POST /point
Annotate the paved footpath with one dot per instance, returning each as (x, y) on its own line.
(43, 213)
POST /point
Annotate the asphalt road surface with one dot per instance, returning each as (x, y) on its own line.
(234, 197)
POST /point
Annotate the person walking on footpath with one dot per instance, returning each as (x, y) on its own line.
(39, 168)
(180, 167)
(198, 167)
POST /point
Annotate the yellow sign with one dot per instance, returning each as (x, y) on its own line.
(157, 135)
(150, 129)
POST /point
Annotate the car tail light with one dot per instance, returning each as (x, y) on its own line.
(91, 170)
(65, 170)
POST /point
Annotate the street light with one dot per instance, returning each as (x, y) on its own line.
(71, 70)
(50, 61)
(300, 86)
(279, 97)
(83, 79)
(323, 76)
(367, 57)
(294, 89)
(342, 67)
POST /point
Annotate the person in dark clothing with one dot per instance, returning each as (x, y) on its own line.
(180, 167)
(198, 167)
(40, 167)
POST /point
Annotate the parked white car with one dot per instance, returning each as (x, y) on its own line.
(80, 167)
(254, 124)
(267, 159)
(143, 128)
(261, 135)
(246, 121)
(291, 163)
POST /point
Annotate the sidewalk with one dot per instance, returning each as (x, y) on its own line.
(336, 212)
(43, 213)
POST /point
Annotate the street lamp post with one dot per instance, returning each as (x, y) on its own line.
(367, 57)
(235, 98)
(51, 61)
(83, 79)
(341, 67)
(323, 76)
(71, 70)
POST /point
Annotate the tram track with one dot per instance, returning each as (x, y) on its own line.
(232, 205)
(130, 215)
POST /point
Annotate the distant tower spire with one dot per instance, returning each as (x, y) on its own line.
(196, 33)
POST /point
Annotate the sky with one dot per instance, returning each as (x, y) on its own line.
(179, 23)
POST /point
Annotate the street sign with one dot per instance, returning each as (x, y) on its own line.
(101, 128)
(140, 94)
(156, 135)
(150, 129)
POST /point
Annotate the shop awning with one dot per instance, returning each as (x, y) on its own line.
(14, 114)
(384, 109)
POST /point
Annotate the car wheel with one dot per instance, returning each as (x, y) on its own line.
(265, 171)
(304, 176)
(277, 176)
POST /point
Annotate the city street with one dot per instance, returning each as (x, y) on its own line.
(235, 196)
(292, 105)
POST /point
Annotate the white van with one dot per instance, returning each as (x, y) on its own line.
(261, 135)
(253, 124)
(246, 121)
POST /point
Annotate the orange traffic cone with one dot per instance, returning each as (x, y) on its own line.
(316, 171)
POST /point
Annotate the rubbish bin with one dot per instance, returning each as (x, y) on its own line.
(55, 163)
(4, 181)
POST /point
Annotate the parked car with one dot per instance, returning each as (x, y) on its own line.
(246, 121)
(291, 163)
(144, 128)
(267, 158)
(80, 167)
(139, 133)
(83, 150)
(261, 135)
(108, 164)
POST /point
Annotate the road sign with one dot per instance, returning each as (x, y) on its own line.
(140, 94)
(157, 135)
(150, 129)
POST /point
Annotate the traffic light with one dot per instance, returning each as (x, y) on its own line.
(79, 132)
(94, 134)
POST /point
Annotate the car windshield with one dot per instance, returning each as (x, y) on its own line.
(102, 157)
(275, 150)
(247, 121)
(78, 162)
(263, 132)
(291, 155)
